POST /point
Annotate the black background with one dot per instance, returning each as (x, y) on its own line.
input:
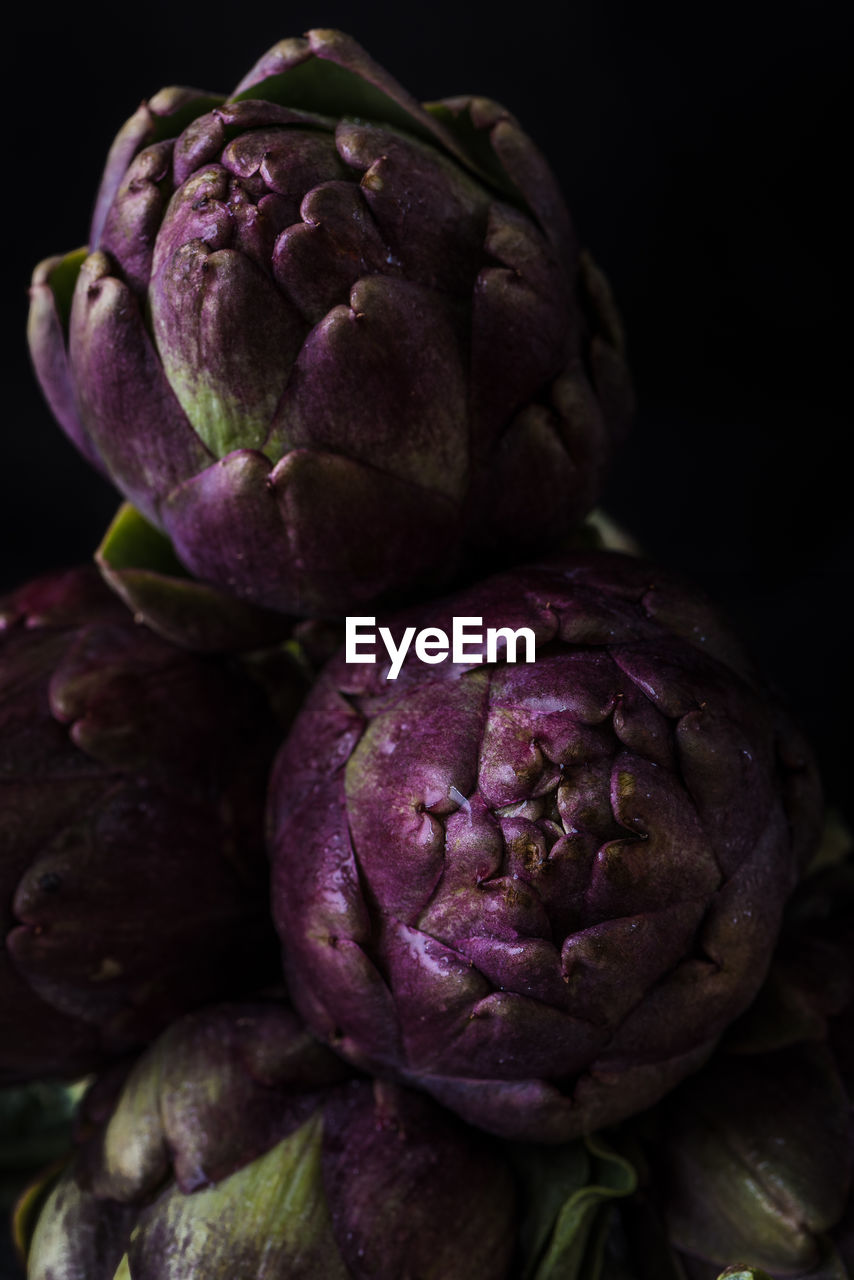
(702, 150)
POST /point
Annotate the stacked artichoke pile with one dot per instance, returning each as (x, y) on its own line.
(507, 956)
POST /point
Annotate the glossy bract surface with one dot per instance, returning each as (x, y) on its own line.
(541, 891)
(326, 337)
(238, 1146)
(132, 868)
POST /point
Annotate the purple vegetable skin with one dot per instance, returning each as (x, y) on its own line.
(541, 891)
(238, 1146)
(133, 881)
(327, 338)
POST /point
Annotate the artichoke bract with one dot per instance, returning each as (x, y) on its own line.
(133, 881)
(755, 1155)
(238, 1146)
(540, 891)
(759, 1165)
(326, 337)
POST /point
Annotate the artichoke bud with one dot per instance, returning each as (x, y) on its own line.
(272, 1213)
(758, 1159)
(557, 881)
(328, 340)
(238, 1146)
(132, 869)
(809, 991)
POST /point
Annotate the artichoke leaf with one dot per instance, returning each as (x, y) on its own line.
(333, 91)
(331, 75)
(131, 542)
(65, 1232)
(139, 563)
(172, 109)
(567, 1193)
(269, 1217)
(60, 275)
(477, 144)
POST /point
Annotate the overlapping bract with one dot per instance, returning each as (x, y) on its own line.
(238, 1146)
(541, 891)
(132, 867)
(336, 344)
(754, 1157)
(325, 337)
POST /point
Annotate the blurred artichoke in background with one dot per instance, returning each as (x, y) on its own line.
(759, 1156)
(754, 1157)
(133, 878)
(239, 1147)
(326, 337)
(541, 892)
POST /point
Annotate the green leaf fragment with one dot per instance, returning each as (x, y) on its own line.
(132, 543)
(567, 1194)
(139, 563)
(269, 1217)
(330, 90)
(62, 279)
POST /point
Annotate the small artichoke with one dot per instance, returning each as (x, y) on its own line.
(326, 337)
(541, 891)
(132, 866)
(239, 1147)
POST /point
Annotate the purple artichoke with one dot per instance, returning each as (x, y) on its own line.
(238, 1146)
(133, 881)
(326, 338)
(540, 891)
